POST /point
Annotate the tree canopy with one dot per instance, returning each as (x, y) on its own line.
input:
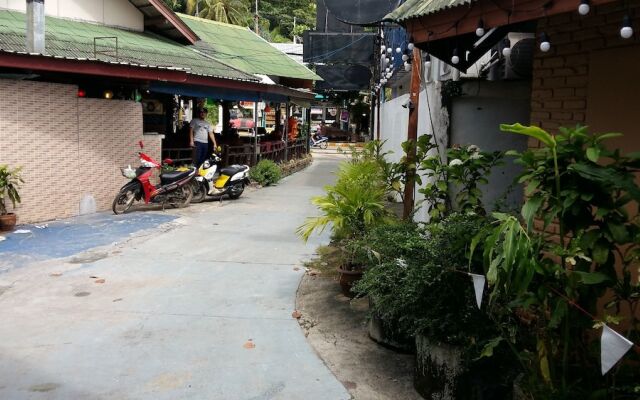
(277, 17)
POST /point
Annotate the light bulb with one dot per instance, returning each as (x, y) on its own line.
(405, 57)
(387, 69)
(506, 52)
(389, 51)
(383, 48)
(480, 28)
(393, 58)
(626, 31)
(583, 8)
(389, 75)
(455, 59)
(398, 50)
(545, 45)
(410, 46)
(387, 60)
(407, 67)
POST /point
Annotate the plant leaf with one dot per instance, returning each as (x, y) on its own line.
(531, 131)
(593, 154)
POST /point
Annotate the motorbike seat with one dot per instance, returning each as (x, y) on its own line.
(173, 176)
(233, 169)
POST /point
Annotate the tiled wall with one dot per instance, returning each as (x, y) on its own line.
(67, 146)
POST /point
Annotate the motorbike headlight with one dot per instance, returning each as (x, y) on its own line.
(206, 164)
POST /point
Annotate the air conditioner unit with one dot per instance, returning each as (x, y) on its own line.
(519, 64)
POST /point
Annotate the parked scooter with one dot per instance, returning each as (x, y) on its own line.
(321, 142)
(174, 186)
(213, 182)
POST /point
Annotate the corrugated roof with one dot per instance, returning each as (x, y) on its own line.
(84, 40)
(418, 8)
(243, 49)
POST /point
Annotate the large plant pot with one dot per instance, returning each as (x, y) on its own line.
(441, 374)
(7, 222)
(348, 278)
(385, 333)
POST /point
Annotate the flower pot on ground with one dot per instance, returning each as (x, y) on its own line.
(10, 181)
(349, 275)
(387, 334)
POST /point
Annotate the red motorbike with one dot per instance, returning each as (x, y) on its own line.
(174, 186)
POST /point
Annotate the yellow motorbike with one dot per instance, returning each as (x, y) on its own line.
(211, 180)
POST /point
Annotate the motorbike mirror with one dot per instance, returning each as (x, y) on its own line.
(141, 144)
(167, 161)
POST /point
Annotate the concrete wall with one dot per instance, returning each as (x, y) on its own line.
(68, 146)
(475, 119)
(119, 13)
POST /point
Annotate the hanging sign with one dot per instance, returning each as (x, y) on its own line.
(478, 287)
(613, 346)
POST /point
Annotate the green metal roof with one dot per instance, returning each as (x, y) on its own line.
(243, 49)
(83, 40)
(418, 8)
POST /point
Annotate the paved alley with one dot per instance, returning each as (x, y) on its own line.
(196, 307)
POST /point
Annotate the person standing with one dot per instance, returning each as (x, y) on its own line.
(199, 134)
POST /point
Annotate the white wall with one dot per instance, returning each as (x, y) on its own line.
(119, 13)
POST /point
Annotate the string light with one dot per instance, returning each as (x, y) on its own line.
(387, 69)
(383, 48)
(398, 50)
(584, 8)
(480, 28)
(545, 45)
(389, 51)
(407, 67)
(626, 31)
(405, 57)
(506, 50)
(410, 46)
(455, 59)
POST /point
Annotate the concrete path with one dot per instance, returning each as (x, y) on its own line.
(198, 308)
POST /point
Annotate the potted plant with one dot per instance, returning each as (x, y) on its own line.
(10, 181)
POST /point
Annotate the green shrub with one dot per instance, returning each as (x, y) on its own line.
(354, 205)
(266, 173)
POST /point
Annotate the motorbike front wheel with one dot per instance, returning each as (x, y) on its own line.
(199, 192)
(124, 199)
(324, 145)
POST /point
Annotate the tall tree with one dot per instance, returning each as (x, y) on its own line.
(229, 11)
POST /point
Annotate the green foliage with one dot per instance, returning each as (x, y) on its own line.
(467, 168)
(589, 193)
(10, 181)
(353, 205)
(266, 173)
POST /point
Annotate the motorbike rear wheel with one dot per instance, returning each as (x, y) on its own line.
(236, 190)
(324, 145)
(199, 192)
(124, 199)
(182, 196)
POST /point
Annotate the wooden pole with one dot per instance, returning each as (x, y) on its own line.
(286, 131)
(412, 133)
(379, 100)
(255, 133)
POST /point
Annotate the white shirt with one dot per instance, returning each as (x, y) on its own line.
(201, 130)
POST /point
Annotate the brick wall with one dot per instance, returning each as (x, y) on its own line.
(68, 147)
(561, 76)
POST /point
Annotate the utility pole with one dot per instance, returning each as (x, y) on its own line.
(412, 133)
(257, 19)
(294, 30)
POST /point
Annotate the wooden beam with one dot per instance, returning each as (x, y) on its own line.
(412, 133)
(464, 19)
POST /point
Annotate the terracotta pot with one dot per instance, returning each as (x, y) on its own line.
(7, 222)
(348, 278)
